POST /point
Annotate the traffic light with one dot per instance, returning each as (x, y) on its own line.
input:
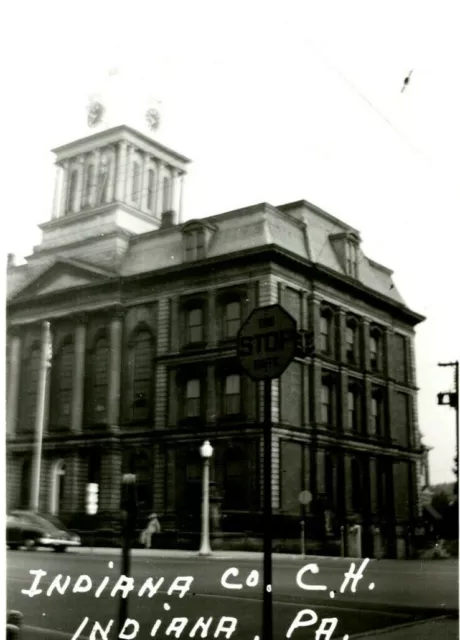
(92, 498)
(452, 399)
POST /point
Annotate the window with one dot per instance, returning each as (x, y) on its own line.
(326, 403)
(232, 319)
(195, 327)
(192, 399)
(200, 244)
(232, 398)
(377, 413)
(166, 194)
(375, 351)
(73, 184)
(351, 259)
(142, 374)
(150, 189)
(236, 492)
(351, 343)
(63, 382)
(136, 177)
(89, 185)
(353, 414)
(99, 387)
(325, 332)
(31, 386)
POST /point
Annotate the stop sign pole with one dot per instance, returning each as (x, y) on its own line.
(266, 344)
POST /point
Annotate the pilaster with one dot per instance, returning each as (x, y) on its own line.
(80, 183)
(129, 175)
(390, 409)
(96, 186)
(79, 374)
(110, 489)
(343, 402)
(369, 423)
(315, 321)
(320, 472)
(389, 339)
(366, 356)
(305, 404)
(316, 391)
(181, 199)
(212, 319)
(304, 324)
(373, 479)
(174, 324)
(14, 384)
(144, 181)
(348, 484)
(63, 206)
(159, 189)
(116, 335)
(211, 394)
(342, 341)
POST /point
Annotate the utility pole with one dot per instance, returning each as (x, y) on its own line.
(129, 518)
(45, 365)
(452, 401)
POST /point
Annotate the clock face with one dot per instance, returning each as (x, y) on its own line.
(153, 119)
(95, 111)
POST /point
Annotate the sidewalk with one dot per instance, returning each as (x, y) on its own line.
(442, 628)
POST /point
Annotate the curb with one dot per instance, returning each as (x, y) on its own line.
(405, 625)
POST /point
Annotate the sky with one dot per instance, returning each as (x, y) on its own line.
(273, 102)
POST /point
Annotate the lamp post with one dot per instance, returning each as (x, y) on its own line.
(128, 520)
(206, 452)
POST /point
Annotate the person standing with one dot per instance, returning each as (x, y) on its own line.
(153, 527)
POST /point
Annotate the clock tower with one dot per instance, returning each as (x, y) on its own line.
(114, 183)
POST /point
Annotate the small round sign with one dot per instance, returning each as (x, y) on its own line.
(305, 497)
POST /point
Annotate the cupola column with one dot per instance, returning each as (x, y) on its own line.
(63, 205)
(144, 182)
(80, 183)
(121, 171)
(159, 189)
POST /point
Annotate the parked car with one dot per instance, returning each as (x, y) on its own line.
(31, 530)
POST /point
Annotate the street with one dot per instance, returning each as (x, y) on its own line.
(389, 593)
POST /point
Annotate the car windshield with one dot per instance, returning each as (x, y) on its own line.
(50, 522)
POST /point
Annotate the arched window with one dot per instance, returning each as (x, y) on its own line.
(192, 399)
(61, 395)
(32, 374)
(57, 495)
(150, 189)
(72, 192)
(99, 379)
(356, 486)
(232, 397)
(136, 178)
(232, 319)
(89, 190)
(26, 476)
(195, 328)
(166, 194)
(351, 338)
(142, 374)
(236, 493)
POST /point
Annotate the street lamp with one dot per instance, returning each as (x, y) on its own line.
(206, 452)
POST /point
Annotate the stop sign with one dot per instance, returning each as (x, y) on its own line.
(266, 342)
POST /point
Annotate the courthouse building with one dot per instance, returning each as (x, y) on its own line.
(144, 308)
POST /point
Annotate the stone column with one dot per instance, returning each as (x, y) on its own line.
(368, 422)
(304, 324)
(79, 374)
(343, 402)
(111, 194)
(144, 182)
(315, 321)
(348, 484)
(14, 384)
(211, 395)
(342, 341)
(120, 182)
(95, 198)
(129, 175)
(80, 183)
(373, 473)
(57, 192)
(366, 356)
(116, 344)
(211, 319)
(159, 189)
(181, 199)
(64, 205)
(316, 392)
(174, 324)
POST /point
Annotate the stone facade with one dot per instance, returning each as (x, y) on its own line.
(144, 361)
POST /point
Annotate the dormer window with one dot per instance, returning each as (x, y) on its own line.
(195, 244)
(351, 256)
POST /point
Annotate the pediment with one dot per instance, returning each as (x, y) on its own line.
(62, 276)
